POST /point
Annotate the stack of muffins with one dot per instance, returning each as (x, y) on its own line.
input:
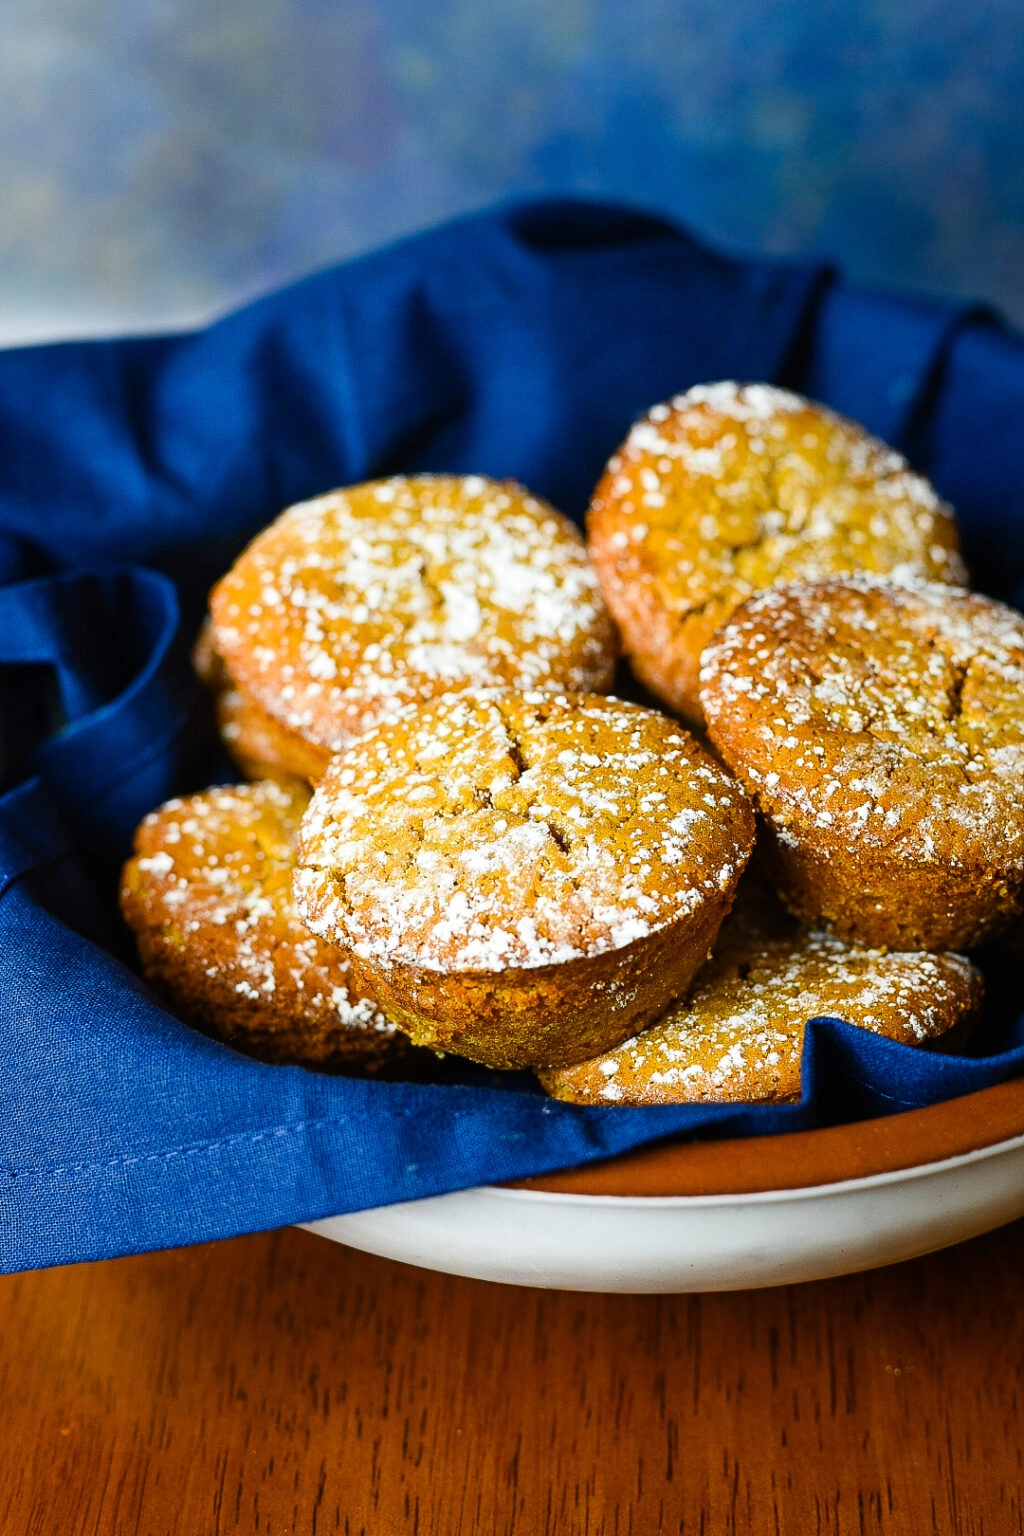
(500, 860)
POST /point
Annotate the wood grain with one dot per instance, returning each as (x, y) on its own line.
(281, 1383)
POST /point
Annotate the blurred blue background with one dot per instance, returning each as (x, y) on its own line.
(162, 159)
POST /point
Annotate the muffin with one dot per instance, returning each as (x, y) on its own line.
(261, 746)
(350, 607)
(739, 1035)
(524, 879)
(208, 895)
(258, 744)
(880, 729)
(732, 488)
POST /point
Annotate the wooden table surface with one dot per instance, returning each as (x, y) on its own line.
(281, 1383)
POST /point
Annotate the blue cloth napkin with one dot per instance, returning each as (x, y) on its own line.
(520, 343)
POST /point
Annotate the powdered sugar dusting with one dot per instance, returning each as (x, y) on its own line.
(212, 883)
(731, 488)
(741, 402)
(390, 593)
(517, 830)
(740, 1035)
(892, 715)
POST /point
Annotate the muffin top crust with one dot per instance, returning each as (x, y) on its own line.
(209, 895)
(730, 488)
(739, 1035)
(355, 604)
(879, 714)
(261, 746)
(517, 830)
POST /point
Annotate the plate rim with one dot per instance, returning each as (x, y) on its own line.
(798, 1160)
(611, 1243)
(870, 1181)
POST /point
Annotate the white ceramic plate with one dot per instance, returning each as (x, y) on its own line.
(696, 1242)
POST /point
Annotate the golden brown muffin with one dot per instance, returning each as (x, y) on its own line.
(740, 1034)
(208, 894)
(525, 878)
(352, 606)
(261, 746)
(209, 666)
(729, 489)
(880, 729)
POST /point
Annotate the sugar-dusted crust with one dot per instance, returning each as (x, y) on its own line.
(739, 1036)
(208, 894)
(524, 878)
(731, 488)
(262, 747)
(349, 607)
(880, 728)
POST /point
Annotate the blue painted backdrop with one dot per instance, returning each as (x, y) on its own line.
(160, 159)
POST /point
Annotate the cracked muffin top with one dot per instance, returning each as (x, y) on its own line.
(209, 896)
(349, 607)
(739, 1035)
(879, 714)
(517, 830)
(729, 489)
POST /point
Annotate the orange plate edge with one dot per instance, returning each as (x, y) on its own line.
(801, 1159)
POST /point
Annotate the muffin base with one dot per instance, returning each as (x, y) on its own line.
(546, 1016)
(261, 746)
(868, 897)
